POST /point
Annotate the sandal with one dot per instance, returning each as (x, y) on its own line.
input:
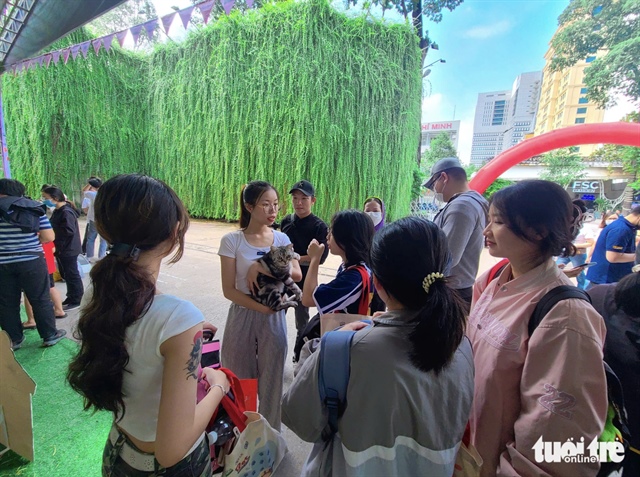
(61, 316)
(28, 327)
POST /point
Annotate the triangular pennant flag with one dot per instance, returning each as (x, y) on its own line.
(249, 3)
(75, 49)
(31, 64)
(106, 42)
(185, 16)
(19, 67)
(55, 56)
(84, 48)
(40, 60)
(167, 20)
(150, 27)
(135, 33)
(205, 9)
(121, 35)
(65, 55)
(47, 59)
(96, 45)
(228, 5)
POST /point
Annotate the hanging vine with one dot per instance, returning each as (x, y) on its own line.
(293, 90)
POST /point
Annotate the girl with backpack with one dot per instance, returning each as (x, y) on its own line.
(140, 349)
(64, 222)
(350, 237)
(410, 386)
(254, 344)
(547, 386)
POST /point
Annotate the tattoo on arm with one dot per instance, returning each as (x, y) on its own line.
(194, 357)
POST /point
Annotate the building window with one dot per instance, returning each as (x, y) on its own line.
(583, 90)
(583, 100)
(582, 111)
(590, 59)
(579, 120)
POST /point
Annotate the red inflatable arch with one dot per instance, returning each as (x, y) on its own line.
(624, 134)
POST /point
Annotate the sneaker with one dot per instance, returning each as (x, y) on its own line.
(15, 345)
(70, 306)
(65, 302)
(55, 338)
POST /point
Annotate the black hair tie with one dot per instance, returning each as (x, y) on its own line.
(124, 250)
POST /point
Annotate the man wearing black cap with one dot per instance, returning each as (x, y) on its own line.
(302, 227)
(462, 220)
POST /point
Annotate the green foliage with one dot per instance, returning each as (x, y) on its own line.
(418, 180)
(601, 204)
(68, 122)
(562, 166)
(293, 90)
(611, 25)
(495, 186)
(440, 147)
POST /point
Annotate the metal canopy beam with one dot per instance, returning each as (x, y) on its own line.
(29, 26)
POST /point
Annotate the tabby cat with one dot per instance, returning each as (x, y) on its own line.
(279, 292)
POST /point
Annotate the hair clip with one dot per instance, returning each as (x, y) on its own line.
(429, 279)
(123, 250)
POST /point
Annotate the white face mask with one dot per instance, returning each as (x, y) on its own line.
(608, 222)
(375, 216)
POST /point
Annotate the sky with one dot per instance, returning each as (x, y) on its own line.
(486, 44)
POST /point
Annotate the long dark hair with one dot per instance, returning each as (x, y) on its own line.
(139, 211)
(58, 195)
(353, 232)
(404, 253)
(251, 194)
(538, 207)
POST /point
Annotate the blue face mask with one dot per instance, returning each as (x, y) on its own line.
(48, 203)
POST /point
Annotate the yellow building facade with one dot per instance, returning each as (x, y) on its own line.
(563, 100)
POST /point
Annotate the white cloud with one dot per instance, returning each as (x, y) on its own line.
(432, 107)
(465, 138)
(482, 32)
(620, 110)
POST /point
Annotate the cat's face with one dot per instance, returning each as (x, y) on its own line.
(283, 255)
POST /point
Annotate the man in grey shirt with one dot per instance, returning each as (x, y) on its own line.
(462, 219)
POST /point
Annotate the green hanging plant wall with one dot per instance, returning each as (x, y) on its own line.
(294, 90)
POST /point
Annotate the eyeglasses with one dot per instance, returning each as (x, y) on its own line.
(433, 180)
(271, 208)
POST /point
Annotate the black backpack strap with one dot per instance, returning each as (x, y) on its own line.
(551, 299)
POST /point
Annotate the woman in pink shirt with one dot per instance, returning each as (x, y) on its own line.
(550, 385)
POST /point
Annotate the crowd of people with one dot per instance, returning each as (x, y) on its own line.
(449, 355)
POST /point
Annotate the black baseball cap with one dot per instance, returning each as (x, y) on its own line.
(441, 166)
(305, 187)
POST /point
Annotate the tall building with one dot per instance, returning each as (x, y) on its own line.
(431, 130)
(503, 118)
(563, 100)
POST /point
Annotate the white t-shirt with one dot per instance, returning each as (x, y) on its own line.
(235, 245)
(167, 317)
(87, 202)
(585, 234)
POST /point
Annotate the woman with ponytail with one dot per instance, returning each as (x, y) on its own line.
(64, 222)
(411, 373)
(254, 344)
(140, 349)
(549, 384)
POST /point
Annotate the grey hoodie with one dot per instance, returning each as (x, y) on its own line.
(399, 421)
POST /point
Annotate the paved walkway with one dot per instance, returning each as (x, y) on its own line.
(197, 278)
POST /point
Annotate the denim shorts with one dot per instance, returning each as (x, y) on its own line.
(121, 458)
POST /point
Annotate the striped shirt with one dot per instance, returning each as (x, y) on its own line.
(14, 241)
(342, 294)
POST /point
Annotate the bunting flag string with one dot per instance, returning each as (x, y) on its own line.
(149, 27)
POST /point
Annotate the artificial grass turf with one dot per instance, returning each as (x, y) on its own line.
(68, 441)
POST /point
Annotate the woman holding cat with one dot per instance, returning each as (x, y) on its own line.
(254, 344)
